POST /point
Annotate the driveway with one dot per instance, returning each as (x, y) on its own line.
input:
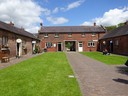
(98, 79)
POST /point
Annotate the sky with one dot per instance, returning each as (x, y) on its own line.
(28, 14)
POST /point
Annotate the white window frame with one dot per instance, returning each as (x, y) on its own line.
(48, 44)
(83, 34)
(91, 44)
(56, 35)
(4, 40)
(45, 34)
(69, 34)
(93, 34)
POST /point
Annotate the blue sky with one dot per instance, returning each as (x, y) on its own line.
(28, 14)
(77, 15)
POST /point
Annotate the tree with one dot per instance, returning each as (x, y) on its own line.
(68, 45)
(120, 24)
(110, 28)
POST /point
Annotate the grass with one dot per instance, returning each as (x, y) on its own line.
(45, 75)
(107, 59)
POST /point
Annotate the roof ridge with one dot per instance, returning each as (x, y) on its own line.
(16, 30)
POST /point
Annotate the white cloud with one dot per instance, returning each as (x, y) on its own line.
(24, 13)
(55, 10)
(73, 5)
(46, 11)
(112, 17)
(57, 20)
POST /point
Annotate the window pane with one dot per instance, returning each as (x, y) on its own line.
(46, 35)
(93, 34)
(88, 44)
(4, 40)
(56, 35)
(83, 34)
(48, 44)
(69, 35)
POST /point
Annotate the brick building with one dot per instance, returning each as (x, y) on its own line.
(16, 41)
(70, 38)
(116, 41)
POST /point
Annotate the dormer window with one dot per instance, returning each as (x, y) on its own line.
(56, 35)
(46, 35)
(93, 34)
(69, 34)
(83, 34)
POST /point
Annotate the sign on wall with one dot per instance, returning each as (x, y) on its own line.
(34, 42)
(18, 40)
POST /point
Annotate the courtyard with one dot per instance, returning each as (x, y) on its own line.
(64, 74)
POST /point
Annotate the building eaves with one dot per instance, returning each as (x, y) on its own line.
(72, 29)
(120, 31)
(16, 30)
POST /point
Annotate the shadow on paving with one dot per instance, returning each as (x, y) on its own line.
(121, 80)
(126, 63)
(122, 70)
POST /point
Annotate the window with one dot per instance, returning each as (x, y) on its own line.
(56, 35)
(48, 44)
(83, 34)
(93, 34)
(117, 42)
(91, 44)
(69, 34)
(4, 40)
(46, 35)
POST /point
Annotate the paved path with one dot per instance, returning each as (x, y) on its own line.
(15, 60)
(98, 79)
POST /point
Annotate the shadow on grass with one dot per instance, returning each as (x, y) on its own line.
(121, 80)
(122, 69)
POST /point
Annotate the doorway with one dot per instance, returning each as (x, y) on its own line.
(111, 46)
(80, 46)
(70, 45)
(59, 46)
(18, 47)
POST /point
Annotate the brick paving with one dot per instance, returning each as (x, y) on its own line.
(98, 79)
(15, 60)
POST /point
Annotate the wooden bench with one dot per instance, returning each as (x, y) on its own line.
(5, 59)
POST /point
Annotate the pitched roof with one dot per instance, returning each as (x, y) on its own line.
(65, 29)
(16, 30)
(120, 31)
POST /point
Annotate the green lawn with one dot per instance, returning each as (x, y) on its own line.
(107, 59)
(44, 75)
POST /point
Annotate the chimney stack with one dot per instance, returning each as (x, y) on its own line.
(94, 23)
(41, 27)
(41, 24)
(12, 24)
(22, 28)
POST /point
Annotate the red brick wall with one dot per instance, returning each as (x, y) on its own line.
(75, 37)
(121, 48)
(12, 42)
